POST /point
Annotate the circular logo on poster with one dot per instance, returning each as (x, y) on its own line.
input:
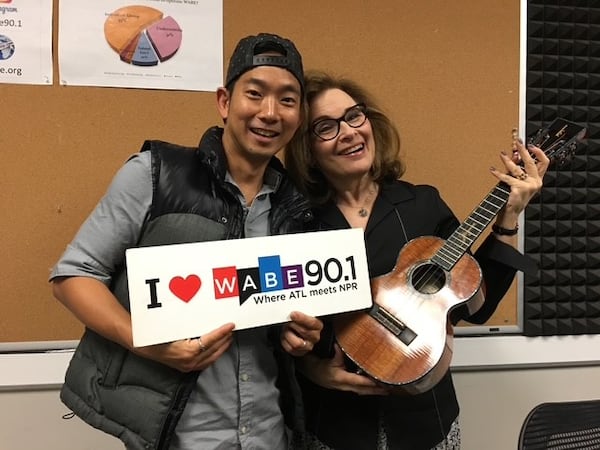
(7, 47)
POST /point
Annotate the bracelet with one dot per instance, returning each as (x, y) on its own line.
(505, 231)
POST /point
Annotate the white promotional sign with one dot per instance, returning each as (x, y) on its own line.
(26, 42)
(185, 290)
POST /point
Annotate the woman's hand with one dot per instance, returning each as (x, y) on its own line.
(332, 374)
(525, 180)
(299, 336)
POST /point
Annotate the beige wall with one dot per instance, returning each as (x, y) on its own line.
(32, 420)
(493, 402)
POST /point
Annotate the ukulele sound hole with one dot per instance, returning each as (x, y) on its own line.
(428, 279)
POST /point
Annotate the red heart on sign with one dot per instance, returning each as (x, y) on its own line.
(185, 288)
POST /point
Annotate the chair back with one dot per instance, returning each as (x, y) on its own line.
(573, 425)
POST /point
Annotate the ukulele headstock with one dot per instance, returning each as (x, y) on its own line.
(559, 139)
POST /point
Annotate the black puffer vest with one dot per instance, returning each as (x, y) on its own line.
(136, 399)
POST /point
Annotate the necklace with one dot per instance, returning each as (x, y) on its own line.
(363, 210)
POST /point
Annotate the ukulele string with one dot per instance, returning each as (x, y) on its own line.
(431, 276)
(401, 225)
(543, 140)
(431, 272)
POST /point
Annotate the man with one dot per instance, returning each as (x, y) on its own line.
(223, 390)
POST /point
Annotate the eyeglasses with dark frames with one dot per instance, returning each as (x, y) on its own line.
(328, 129)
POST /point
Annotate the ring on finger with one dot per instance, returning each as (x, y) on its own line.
(303, 343)
(201, 345)
(522, 176)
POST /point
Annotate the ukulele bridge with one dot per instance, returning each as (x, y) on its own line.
(393, 324)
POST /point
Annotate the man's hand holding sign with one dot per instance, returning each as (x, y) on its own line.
(188, 355)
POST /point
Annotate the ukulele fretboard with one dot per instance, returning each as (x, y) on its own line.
(468, 232)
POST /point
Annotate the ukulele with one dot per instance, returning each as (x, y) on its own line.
(405, 340)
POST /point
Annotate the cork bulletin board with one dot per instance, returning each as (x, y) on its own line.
(446, 72)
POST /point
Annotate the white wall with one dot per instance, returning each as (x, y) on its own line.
(498, 380)
(495, 403)
(32, 420)
(493, 406)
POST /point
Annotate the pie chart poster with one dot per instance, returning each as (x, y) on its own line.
(153, 44)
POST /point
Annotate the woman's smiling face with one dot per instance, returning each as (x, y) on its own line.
(352, 152)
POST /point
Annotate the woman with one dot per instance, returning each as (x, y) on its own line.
(346, 160)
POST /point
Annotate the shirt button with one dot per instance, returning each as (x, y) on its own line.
(244, 377)
(244, 429)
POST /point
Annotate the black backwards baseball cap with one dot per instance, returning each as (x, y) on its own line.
(249, 53)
